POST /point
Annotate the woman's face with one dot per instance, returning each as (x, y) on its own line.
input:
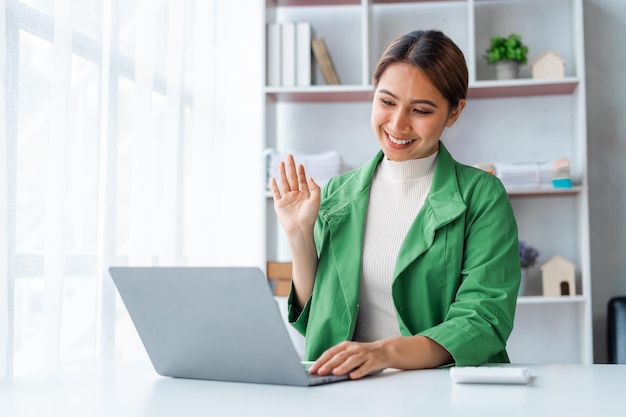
(409, 113)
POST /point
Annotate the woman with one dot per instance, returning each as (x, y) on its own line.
(410, 261)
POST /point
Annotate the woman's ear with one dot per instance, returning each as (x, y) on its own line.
(456, 112)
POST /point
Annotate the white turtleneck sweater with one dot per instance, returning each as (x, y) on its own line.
(397, 194)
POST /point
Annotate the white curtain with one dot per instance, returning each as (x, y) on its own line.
(134, 137)
(4, 277)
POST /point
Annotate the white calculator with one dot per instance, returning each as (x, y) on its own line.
(489, 375)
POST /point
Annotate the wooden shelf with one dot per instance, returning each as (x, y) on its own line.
(539, 299)
(521, 87)
(292, 3)
(531, 192)
(477, 90)
(544, 192)
(322, 93)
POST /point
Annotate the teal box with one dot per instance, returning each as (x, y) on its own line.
(561, 183)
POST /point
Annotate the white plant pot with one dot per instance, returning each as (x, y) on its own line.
(506, 70)
(523, 282)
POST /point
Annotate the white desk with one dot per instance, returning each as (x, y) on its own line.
(120, 389)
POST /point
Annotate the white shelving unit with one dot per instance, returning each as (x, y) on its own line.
(505, 121)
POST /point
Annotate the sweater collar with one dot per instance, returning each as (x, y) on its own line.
(444, 201)
(403, 171)
(356, 188)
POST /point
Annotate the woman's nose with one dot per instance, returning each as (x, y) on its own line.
(400, 121)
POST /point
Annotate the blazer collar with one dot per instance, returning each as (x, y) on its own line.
(344, 211)
(443, 205)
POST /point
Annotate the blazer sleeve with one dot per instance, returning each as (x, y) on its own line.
(480, 318)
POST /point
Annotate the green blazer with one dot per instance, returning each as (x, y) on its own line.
(457, 273)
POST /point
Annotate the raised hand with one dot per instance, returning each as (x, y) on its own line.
(297, 202)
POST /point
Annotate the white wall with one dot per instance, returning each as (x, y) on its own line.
(605, 28)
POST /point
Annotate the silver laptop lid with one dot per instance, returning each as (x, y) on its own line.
(217, 323)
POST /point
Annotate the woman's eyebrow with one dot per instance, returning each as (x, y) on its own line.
(416, 101)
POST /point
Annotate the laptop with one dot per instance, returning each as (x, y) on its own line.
(212, 323)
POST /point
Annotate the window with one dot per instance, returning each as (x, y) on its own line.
(111, 134)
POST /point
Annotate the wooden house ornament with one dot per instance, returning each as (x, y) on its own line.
(558, 276)
(548, 65)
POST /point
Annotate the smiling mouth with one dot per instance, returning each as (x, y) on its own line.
(399, 141)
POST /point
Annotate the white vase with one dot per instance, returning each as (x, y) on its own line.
(523, 281)
(506, 70)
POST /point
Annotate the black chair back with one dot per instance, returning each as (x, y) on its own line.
(617, 330)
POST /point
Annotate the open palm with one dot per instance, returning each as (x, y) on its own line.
(297, 202)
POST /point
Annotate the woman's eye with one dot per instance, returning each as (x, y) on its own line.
(386, 102)
(421, 111)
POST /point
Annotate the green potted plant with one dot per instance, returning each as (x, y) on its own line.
(506, 55)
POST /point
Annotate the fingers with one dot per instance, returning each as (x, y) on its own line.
(313, 187)
(351, 364)
(291, 174)
(355, 359)
(339, 363)
(282, 177)
(292, 178)
(275, 190)
(302, 182)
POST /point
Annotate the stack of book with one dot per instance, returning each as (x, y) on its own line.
(531, 174)
(320, 166)
(290, 46)
(561, 173)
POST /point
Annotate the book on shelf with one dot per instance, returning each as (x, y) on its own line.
(531, 175)
(303, 54)
(323, 59)
(288, 54)
(291, 51)
(561, 173)
(274, 51)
